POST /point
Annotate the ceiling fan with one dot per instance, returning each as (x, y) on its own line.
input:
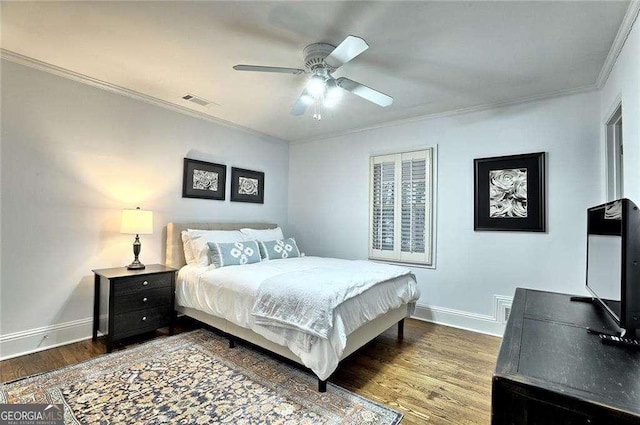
(322, 89)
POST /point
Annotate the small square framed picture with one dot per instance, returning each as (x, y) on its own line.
(510, 193)
(204, 180)
(247, 186)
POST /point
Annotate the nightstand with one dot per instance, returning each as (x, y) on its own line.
(131, 302)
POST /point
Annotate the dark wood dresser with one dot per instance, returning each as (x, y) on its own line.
(551, 371)
(131, 302)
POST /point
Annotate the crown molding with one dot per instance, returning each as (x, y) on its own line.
(461, 111)
(618, 43)
(85, 79)
(113, 88)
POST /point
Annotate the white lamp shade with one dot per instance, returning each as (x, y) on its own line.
(137, 222)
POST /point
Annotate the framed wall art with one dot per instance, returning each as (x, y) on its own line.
(247, 186)
(204, 180)
(509, 193)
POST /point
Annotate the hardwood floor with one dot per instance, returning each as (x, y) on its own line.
(435, 375)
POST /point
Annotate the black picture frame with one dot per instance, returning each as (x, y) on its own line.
(502, 209)
(195, 181)
(239, 188)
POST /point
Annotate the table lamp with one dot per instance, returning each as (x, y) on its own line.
(136, 222)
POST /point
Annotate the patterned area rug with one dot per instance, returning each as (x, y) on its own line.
(193, 378)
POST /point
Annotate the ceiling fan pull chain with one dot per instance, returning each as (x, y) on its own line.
(317, 115)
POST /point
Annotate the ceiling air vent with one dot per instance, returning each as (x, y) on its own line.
(197, 100)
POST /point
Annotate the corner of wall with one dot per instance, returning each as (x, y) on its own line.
(490, 325)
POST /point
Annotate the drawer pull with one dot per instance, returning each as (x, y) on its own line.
(145, 283)
(145, 299)
(144, 318)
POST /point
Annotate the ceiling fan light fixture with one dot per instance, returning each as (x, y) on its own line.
(307, 99)
(330, 102)
(316, 86)
(332, 98)
(333, 94)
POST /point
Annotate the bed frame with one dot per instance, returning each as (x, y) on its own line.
(355, 340)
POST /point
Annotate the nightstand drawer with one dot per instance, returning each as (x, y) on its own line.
(141, 283)
(132, 323)
(142, 300)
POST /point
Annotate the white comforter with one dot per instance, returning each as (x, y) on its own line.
(231, 293)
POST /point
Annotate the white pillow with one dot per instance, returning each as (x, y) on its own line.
(200, 238)
(263, 235)
(188, 251)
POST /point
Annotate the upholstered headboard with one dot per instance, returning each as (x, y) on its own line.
(174, 249)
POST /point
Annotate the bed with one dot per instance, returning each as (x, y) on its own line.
(223, 298)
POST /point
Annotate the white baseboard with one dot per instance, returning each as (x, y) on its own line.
(38, 339)
(490, 325)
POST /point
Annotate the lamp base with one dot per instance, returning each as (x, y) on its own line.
(136, 265)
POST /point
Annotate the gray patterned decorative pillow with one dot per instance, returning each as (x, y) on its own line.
(234, 253)
(283, 248)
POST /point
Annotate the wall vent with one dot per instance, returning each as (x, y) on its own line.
(197, 100)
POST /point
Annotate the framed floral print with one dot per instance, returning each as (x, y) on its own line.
(247, 186)
(509, 193)
(204, 180)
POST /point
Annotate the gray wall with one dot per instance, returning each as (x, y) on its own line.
(328, 198)
(73, 156)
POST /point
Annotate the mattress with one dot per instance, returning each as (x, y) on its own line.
(230, 293)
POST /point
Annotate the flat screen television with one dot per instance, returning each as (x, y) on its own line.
(613, 261)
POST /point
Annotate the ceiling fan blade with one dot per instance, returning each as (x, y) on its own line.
(350, 47)
(364, 92)
(300, 107)
(276, 69)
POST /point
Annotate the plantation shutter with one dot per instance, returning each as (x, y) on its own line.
(401, 207)
(413, 205)
(383, 204)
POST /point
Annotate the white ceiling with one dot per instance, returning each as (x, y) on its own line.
(432, 57)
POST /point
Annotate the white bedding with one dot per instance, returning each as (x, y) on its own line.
(230, 293)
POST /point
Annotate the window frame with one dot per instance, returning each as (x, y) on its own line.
(427, 259)
(614, 155)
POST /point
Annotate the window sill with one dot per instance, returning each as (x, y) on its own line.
(404, 263)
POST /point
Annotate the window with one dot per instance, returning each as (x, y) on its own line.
(401, 207)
